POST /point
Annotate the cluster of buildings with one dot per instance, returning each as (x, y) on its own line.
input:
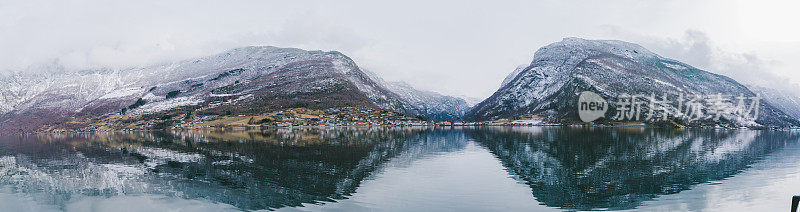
(340, 116)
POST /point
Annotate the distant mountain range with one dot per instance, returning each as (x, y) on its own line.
(257, 79)
(240, 81)
(435, 106)
(550, 85)
(786, 101)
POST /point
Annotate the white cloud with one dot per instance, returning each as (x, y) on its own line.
(696, 49)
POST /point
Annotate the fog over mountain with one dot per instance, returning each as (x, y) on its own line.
(248, 80)
(550, 85)
(449, 47)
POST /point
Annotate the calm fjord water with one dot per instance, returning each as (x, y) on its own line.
(402, 169)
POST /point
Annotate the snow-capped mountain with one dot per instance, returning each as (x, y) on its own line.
(471, 101)
(430, 104)
(786, 101)
(243, 80)
(513, 75)
(550, 85)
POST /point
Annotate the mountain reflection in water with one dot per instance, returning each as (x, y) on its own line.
(619, 168)
(568, 168)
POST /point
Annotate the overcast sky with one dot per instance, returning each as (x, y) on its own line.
(453, 47)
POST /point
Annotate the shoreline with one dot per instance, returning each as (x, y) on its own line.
(433, 126)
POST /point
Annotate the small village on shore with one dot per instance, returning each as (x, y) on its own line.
(331, 117)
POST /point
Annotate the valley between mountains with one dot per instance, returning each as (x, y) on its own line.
(261, 86)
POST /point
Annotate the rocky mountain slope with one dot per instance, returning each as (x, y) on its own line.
(433, 105)
(240, 81)
(786, 101)
(550, 85)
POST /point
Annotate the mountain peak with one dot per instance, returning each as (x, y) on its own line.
(549, 86)
(582, 47)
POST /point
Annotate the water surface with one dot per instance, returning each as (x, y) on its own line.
(402, 169)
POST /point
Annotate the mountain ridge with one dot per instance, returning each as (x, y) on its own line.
(254, 79)
(436, 106)
(243, 80)
(550, 85)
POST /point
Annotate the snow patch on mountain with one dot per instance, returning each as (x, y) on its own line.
(786, 101)
(191, 82)
(513, 75)
(122, 93)
(431, 104)
(549, 86)
(471, 101)
(674, 66)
